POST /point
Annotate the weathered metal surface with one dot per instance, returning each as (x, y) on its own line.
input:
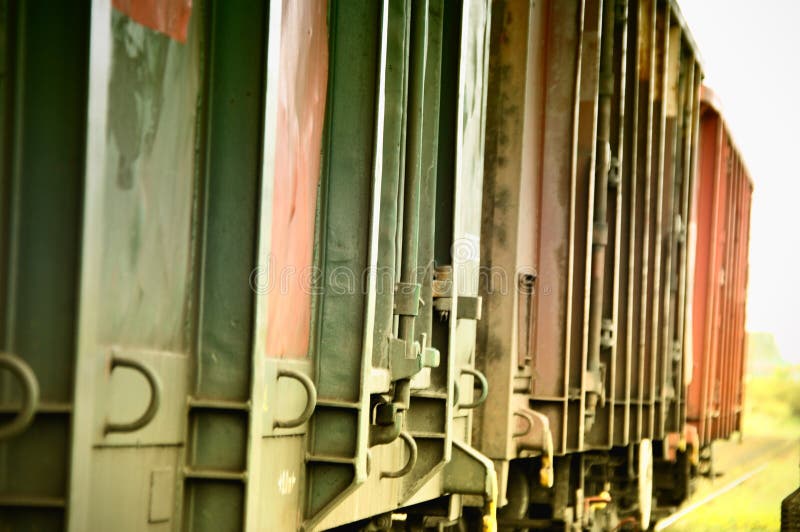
(423, 203)
(336, 461)
(217, 484)
(586, 194)
(566, 189)
(549, 358)
(284, 280)
(170, 17)
(138, 271)
(429, 422)
(617, 363)
(282, 319)
(722, 217)
(175, 183)
(43, 94)
(506, 253)
(148, 198)
(464, 248)
(302, 86)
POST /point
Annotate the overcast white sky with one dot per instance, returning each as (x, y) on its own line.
(751, 52)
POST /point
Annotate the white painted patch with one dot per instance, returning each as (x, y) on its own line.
(286, 482)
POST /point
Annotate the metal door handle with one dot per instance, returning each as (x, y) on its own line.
(484, 385)
(410, 463)
(30, 394)
(155, 395)
(311, 399)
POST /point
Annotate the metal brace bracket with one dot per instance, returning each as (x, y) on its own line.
(594, 382)
(402, 366)
(680, 229)
(677, 351)
(407, 299)
(608, 332)
(469, 307)
(614, 177)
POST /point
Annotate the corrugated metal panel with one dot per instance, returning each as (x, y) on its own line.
(41, 189)
(722, 217)
(399, 212)
(303, 81)
(616, 381)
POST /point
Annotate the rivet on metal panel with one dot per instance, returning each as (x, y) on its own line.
(30, 392)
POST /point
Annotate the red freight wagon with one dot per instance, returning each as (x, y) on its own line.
(721, 212)
(592, 117)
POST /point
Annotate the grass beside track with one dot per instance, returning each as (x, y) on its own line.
(767, 462)
(754, 504)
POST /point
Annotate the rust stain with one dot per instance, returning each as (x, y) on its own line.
(301, 115)
(170, 17)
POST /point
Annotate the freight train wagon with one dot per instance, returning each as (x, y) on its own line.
(592, 130)
(252, 262)
(220, 222)
(722, 217)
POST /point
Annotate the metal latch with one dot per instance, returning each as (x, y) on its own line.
(469, 307)
(594, 380)
(402, 366)
(607, 333)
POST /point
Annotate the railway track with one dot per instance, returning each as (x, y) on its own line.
(739, 464)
